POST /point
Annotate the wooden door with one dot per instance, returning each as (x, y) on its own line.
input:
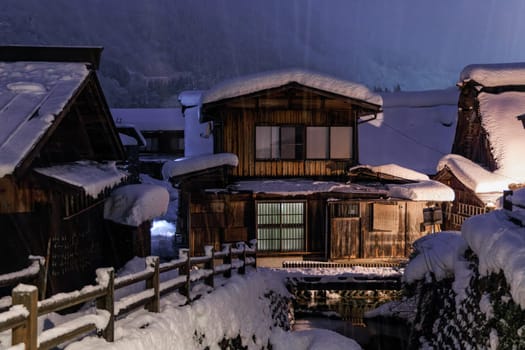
(345, 242)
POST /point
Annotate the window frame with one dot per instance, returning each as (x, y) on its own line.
(279, 225)
(299, 146)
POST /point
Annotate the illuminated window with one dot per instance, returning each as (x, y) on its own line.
(323, 142)
(279, 142)
(280, 226)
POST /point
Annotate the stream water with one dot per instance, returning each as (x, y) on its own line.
(343, 312)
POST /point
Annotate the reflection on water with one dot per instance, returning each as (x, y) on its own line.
(343, 312)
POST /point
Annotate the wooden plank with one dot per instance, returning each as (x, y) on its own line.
(345, 238)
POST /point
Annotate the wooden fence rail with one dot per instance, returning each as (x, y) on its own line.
(22, 316)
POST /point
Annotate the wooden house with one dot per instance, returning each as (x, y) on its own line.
(487, 150)
(295, 136)
(58, 162)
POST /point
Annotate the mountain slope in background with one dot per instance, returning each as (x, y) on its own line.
(155, 49)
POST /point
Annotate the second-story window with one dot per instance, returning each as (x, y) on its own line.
(279, 142)
(329, 142)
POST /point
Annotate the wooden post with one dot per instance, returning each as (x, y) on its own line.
(242, 257)
(154, 282)
(228, 260)
(27, 296)
(185, 270)
(253, 245)
(210, 265)
(40, 282)
(106, 277)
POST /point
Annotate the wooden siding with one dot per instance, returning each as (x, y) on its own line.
(237, 131)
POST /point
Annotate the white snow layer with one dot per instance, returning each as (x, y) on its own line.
(422, 191)
(395, 170)
(91, 176)
(272, 79)
(134, 204)
(416, 129)
(31, 95)
(189, 165)
(472, 175)
(499, 74)
(500, 246)
(506, 133)
(436, 253)
(236, 307)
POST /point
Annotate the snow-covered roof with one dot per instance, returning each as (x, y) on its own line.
(134, 204)
(472, 175)
(429, 190)
(150, 119)
(183, 166)
(91, 176)
(394, 170)
(506, 133)
(420, 191)
(273, 79)
(490, 75)
(296, 187)
(415, 130)
(31, 95)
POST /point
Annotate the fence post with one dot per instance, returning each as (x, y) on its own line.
(154, 282)
(106, 278)
(185, 270)
(210, 265)
(253, 245)
(40, 283)
(27, 296)
(242, 258)
(228, 260)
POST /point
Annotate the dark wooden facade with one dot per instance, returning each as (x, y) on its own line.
(466, 202)
(349, 228)
(235, 121)
(470, 139)
(41, 215)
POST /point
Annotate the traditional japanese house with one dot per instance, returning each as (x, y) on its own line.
(58, 162)
(489, 140)
(295, 137)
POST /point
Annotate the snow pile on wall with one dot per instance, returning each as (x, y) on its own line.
(499, 245)
(189, 165)
(92, 176)
(134, 204)
(32, 94)
(472, 175)
(499, 74)
(437, 254)
(198, 137)
(262, 81)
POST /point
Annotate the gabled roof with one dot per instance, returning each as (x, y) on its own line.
(32, 95)
(491, 75)
(273, 79)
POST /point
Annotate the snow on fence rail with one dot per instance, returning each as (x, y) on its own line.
(22, 316)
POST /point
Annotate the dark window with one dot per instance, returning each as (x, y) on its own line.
(164, 142)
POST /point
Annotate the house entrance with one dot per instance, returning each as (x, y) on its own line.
(345, 229)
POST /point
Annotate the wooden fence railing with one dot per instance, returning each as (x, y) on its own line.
(22, 316)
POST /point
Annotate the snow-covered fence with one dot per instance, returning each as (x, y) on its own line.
(22, 316)
(33, 274)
